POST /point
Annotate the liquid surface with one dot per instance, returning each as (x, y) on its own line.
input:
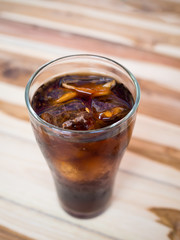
(82, 102)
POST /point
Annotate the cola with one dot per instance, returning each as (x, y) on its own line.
(82, 102)
(83, 168)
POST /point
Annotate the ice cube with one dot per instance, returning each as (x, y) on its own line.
(82, 121)
(109, 108)
(72, 115)
(123, 93)
(47, 117)
(95, 87)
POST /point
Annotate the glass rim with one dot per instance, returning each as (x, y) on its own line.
(99, 130)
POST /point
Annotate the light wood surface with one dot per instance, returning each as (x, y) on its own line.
(145, 37)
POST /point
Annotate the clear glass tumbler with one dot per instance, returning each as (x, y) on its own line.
(83, 163)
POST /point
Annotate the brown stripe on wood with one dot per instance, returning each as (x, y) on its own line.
(8, 234)
(17, 69)
(159, 102)
(143, 38)
(151, 88)
(79, 42)
(156, 152)
(14, 110)
(135, 7)
(154, 6)
(138, 10)
(170, 218)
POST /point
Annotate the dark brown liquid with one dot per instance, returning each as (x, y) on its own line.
(82, 102)
(84, 172)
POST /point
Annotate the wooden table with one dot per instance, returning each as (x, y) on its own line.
(145, 37)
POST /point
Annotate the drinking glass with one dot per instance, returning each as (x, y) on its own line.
(83, 163)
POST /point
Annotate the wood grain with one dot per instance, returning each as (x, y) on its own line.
(8, 234)
(144, 36)
(156, 152)
(170, 218)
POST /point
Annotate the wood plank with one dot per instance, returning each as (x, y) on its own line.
(153, 10)
(8, 234)
(40, 225)
(145, 167)
(156, 152)
(157, 131)
(83, 43)
(117, 32)
(151, 71)
(170, 218)
(159, 102)
(94, 13)
(17, 69)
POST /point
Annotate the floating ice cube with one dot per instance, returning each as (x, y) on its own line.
(70, 115)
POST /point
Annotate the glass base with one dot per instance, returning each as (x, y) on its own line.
(84, 201)
(85, 215)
